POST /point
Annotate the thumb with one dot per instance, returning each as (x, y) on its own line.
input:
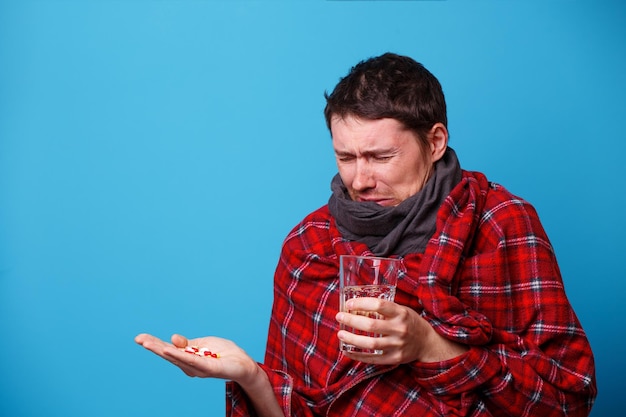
(179, 341)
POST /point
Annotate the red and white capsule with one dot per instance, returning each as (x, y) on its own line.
(200, 351)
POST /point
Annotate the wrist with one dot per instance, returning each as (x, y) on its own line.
(252, 378)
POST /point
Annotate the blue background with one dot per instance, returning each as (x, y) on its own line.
(154, 154)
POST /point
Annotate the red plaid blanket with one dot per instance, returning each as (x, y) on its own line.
(488, 278)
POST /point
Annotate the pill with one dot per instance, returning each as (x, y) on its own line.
(200, 351)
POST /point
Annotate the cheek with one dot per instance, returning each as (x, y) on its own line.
(407, 184)
(346, 174)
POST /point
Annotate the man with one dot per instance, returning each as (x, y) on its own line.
(480, 325)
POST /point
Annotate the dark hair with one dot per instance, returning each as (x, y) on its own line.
(389, 86)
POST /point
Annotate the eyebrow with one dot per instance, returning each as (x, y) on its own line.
(369, 152)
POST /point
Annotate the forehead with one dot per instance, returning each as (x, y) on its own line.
(351, 131)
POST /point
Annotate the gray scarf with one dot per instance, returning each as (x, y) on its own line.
(405, 228)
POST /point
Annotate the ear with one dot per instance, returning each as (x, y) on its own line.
(438, 138)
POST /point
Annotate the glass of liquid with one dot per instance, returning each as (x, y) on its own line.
(366, 276)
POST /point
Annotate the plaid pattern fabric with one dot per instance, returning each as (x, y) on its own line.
(488, 278)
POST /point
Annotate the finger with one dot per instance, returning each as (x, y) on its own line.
(383, 359)
(361, 341)
(179, 341)
(142, 338)
(384, 307)
(151, 343)
(366, 321)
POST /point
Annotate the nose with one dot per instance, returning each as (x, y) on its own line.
(363, 176)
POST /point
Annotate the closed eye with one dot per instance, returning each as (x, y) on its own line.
(382, 158)
(372, 156)
(344, 157)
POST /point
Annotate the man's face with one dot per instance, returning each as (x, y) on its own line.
(379, 160)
